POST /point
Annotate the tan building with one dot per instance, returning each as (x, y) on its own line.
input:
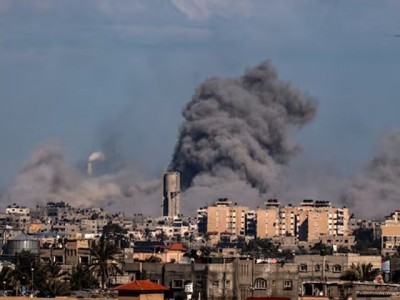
(171, 254)
(311, 220)
(390, 233)
(331, 267)
(226, 217)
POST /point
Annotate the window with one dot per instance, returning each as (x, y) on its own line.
(260, 284)
(177, 283)
(287, 285)
(215, 283)
(317, 268)
(327, 267)
(302, 268)
(337, 268)
(155, 281)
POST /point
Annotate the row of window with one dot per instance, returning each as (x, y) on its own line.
(261, 284)
(318, 268)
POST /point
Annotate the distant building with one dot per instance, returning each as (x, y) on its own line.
(309, 221)
(226, 217)
(390, 233)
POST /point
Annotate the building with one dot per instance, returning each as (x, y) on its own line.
(171, 194)
(309, 221)
(331, 267)
(226, 217)
(141, 290)
(390, 233)
(145, 251)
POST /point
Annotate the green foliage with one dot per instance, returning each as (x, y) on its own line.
(260, 248)
(363, 272)
(81, 277)
(46, 277)
(106, 259)
(365, 242)
(321, 248)
(57, 287)
(116, 233)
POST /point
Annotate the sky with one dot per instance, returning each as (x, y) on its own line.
(83, 72)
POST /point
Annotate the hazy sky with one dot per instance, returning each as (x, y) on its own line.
(80, 71)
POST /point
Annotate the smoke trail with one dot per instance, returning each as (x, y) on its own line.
(240, 128)
(376, 190)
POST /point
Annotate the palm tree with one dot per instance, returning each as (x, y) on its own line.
(57, 287)
(363, 272)
(81, 277)
(106, 259)
(7, 276)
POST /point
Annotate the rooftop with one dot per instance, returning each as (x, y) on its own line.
(141, 285)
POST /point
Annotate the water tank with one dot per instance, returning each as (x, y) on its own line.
(22, 242)
(171, 202)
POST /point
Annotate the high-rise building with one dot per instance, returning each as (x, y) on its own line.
(308, 221)
(172, 194)
(226, 217)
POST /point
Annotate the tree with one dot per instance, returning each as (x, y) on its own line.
(106, 259)
(22, 273)
(57, 287)
(365, 241)
(260, 248)
(81, 277)
(7, 276)
(363, 272)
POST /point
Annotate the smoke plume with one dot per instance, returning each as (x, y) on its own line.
(376, 190)
(239, 129)
(49, 177)
(234, 142)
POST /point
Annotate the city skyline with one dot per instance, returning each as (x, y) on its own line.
(96, 76)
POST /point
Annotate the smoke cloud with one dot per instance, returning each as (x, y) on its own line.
(375, 191)
(235, 142)
(48, 176)
(239, 130)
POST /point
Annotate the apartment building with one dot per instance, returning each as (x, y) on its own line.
(309, 221)
(390, 233)
(226, 217)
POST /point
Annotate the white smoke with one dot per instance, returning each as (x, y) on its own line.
(48, 176)
(96, 156)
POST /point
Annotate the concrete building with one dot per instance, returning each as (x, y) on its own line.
(331, 267)
(17, 210)
(171, 194)
(226, 217)
(390, 233)
(143, 251)
(222, 278)
(309, 221)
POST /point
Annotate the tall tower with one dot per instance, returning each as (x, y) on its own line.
(172, 191)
